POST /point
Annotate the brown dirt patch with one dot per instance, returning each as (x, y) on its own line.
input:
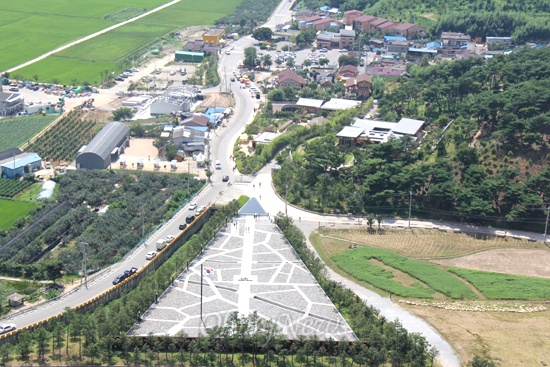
(509, 339)
(216, 99)
(532, 263)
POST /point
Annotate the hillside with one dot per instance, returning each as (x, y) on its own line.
(490, 165)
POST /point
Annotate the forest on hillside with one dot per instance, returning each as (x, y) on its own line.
(484, 159)
(523, 20)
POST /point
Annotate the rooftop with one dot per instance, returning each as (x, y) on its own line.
(340, 104)
(309, 102)
(215, 32)
(20, 160)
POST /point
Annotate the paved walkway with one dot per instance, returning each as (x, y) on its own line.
(262, 189)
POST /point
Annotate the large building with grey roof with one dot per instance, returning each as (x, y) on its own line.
(105, 147)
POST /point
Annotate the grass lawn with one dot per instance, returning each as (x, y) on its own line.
(85, 61)
(11, 211)
(357, 262)
(15, 132)
(506, 286)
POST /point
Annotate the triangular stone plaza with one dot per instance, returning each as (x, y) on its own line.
(249, 266)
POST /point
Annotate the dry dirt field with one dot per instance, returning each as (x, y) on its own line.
(501, 333)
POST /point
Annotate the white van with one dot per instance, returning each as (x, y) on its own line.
(218, 164)
(161, 244)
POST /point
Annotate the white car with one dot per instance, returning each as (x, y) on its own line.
(150, 255)
(6, 328)
(170, 237)
(192, 205)
(200, 209)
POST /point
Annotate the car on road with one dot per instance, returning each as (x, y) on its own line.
(172, 73)
(6, 328)
(344, 50)
(150, 255)
(232, 79)
(119, 278)
(119, 79)
(200, 209)
(190, 219)
(225, 178)
(192, 205)
(323, 50)
(182, 226)
(170, 237)
(130, 272)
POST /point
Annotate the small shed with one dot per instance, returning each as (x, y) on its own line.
(16, 300)
(189, 56)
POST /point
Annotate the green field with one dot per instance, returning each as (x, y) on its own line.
(11, 211)
(85, 61)
(506, 286)
(356, 263)
(15, 132)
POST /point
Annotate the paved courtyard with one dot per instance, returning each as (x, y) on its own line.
(248, 267)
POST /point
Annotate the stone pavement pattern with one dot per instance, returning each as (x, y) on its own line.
(249, 266)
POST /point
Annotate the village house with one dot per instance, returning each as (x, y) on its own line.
(359, 86)
(290, 79)
(346, 72)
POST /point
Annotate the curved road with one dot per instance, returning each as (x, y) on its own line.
(221, 144)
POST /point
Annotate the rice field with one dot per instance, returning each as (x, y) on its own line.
(11, 211)
(85, 61)
(14, 132)
(32, 27)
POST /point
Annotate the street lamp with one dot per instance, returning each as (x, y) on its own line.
(546, 226)
(410, 206)
(84, 244)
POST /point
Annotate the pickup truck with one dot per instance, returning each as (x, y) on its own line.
(130, 272)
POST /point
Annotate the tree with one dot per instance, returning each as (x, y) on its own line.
(262, 34)
(266, 61)
(24, 345)
(250, 58)
(35, 77)
(122, 114)
(348, 60)
(290, 62)
(41, 336)
(307, 63)
(480, 362)
(323, 61)
(53, 269)
(370, 220)
(170, 151)
(137, 130)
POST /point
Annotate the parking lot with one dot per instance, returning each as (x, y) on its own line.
(249, 266)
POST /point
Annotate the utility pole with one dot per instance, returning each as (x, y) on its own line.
(546, 226)
(202, 274)
(286, 200)
(142, 220)
(85, 272)
(410, 206)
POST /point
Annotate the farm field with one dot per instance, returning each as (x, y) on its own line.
(14, 132)
(11, 211)
(85, 61)
(9, 188)
(53, 23)
(62, 142)
(511, 332)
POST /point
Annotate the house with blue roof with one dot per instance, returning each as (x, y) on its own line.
(20, 165)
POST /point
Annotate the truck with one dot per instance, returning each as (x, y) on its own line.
(161, 244)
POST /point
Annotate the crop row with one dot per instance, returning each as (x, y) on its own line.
(10, 188)
(62, 142)
(356, 263)
(14, 132)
